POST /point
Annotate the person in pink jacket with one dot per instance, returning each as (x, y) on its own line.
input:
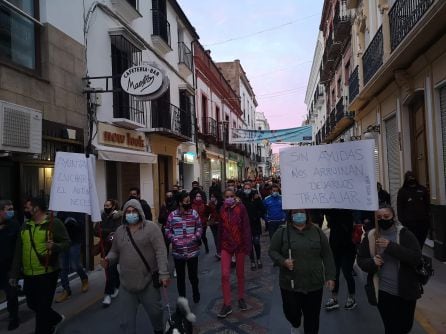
(235, 239)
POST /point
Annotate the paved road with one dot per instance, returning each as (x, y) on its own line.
(263, 316)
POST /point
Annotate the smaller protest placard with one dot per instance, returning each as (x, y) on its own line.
(340, 176)
(73, 188)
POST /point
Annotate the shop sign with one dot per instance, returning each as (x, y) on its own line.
(113, 136)
(146, 81)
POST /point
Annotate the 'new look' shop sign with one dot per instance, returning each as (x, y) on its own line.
(339, 176)
(73, 188)
(142, 80)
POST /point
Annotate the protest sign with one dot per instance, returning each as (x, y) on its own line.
(73, 188)
(340, 176)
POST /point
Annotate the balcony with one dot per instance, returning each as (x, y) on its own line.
(353, 85)
(128, 112)
(161, 32)
(184, 59)
(171, 121)
(403, 16)
(210, 131)
(333, 49)
(127, 9)
(373, 56)
(342, 22)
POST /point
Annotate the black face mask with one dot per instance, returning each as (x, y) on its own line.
(28, 215)
(108, 210)
(187, 206)
(385, 224)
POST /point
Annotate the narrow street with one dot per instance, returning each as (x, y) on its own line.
(86, 314)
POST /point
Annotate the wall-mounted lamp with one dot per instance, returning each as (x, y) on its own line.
(353, 138)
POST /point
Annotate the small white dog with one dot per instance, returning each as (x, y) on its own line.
(181, 321)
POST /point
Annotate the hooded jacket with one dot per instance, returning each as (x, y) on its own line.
(407, 252)
(149, 239)
(273, 206)
(413, 204)
(235, 230)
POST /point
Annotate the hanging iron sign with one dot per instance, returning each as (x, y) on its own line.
(143, 80)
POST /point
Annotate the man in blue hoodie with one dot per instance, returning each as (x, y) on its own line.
(274, 216)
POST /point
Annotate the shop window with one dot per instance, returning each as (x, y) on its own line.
(19, 34)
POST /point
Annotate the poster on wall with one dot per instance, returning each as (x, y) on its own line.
(74, 188)
(340, 176)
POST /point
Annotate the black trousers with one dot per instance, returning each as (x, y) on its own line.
(192, 271)
(112, 281)
(344, 261)
(397, 313)
(39, 291)
(214, 229)
(11, 295)
(296, 304)
(420, 229)
(256, 246)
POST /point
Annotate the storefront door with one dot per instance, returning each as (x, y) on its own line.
(418, 139)
(163, 177)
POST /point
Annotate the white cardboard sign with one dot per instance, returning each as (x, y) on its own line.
(74, 188)
(340, 176)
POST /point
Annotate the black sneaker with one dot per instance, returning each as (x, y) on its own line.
(331, 304)
(350, 304)
(253, 266)
(242, 304)
(225, 311)
(13, 324)
(196, 298)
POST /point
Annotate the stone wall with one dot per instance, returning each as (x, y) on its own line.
(56, 87)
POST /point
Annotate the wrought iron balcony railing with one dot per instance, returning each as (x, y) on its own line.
(353, 85)
(161, 27)
(210, 127)
(403, 16)
(373, 56)
(168, 118)
(185, 55)
(341, 21)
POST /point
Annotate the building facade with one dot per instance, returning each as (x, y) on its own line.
(398, 93)
(248, 156)
(42, 105)
(263, 149)
(138, 143)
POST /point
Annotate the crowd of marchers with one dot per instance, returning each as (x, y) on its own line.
(135, 251)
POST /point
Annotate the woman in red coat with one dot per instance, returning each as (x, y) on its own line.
(235, 239)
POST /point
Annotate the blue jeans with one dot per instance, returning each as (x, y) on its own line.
(71, 261)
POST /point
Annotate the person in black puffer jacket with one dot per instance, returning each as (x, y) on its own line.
(413, 205)
(344, 253)
(254, 205)
(394, 252)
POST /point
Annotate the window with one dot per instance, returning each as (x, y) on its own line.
(204, 111)
(161, 27)
(18, 34)
(124, 56)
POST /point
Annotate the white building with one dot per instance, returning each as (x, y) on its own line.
(138, 143)
(315, 97)
(264, 148)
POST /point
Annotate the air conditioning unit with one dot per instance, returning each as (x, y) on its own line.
(20, 128)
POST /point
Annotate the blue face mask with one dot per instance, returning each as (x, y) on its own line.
(132, 218)
(9, 214)
(299, 218)
(274, 194)
(247, 191)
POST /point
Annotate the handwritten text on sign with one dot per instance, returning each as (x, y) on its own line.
(329, 176)
(73, 188)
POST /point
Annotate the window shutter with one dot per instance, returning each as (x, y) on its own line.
(393, 158)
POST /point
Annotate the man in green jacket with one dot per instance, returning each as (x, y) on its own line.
(41, 239)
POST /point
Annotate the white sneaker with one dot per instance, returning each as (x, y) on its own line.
(107, 300)
(174, 273)
(115, 293)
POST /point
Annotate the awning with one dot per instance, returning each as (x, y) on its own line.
(123, 155)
